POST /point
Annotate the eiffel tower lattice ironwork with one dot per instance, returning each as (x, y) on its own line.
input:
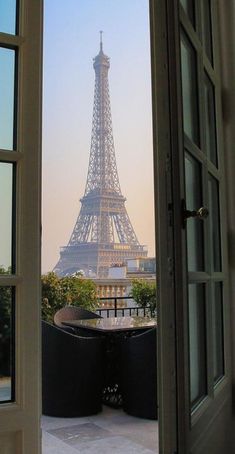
(103, 234)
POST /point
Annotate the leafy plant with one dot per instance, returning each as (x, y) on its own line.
(58, 292)
(5, 325)
(144, 294)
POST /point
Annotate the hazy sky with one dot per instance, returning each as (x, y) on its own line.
(7, 77)
(6, 180)
(71, 41)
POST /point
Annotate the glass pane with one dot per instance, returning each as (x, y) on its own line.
(6, 344)
(214, 223)
(210, 123)
(6, 185)
(206, 28)
(189, 90)
(217, 330)
(7, 85)
(194, 226)
(8, 16)
(197, 342)
(188, 6)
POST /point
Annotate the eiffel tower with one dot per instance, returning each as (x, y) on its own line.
(103, 234)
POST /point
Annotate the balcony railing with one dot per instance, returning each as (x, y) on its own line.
(115, 310)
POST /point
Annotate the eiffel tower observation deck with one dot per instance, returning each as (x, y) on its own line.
(103, 234)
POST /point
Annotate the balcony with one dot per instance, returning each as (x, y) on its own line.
(110, 430)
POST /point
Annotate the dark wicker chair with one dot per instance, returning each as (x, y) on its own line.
(72, 373)
(138, 374)
(72, 313)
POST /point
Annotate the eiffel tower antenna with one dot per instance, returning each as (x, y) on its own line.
(103, 234)
(101, 42)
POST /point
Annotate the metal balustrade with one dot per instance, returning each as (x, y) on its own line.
(116, 311)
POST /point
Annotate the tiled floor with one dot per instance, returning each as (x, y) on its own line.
(111, 431)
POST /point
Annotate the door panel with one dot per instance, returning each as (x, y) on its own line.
(205, 265)
(196, 242)
(20, 176)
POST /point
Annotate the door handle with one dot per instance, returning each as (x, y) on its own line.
(202, 213)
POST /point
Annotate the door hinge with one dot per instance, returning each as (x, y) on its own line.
(170, 267)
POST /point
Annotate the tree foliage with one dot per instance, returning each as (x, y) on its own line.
(144, 294)
(58, 292)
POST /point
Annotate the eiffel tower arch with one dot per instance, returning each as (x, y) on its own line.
(103, 234)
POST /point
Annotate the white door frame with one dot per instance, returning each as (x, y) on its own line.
(20, 420)
(162, 142)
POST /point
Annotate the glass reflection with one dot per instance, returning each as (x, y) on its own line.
(189, 89)
(197, 342)
(194, 226)
(214, 223)
(188, 6)
(8, 16)
(6, 187)
(210, 124)
(7, 89)
(217, 330)
(206, 28)
(6, 345)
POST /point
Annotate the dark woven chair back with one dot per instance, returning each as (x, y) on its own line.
(72, 373)
(138, 371)
(72, 313)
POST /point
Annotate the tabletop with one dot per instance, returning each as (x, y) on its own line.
(113, 324)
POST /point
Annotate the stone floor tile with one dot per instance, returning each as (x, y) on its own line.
(112, 445)
(147, 439)
(52, 445)
(50, 422)
(124, 424)
(80, 433)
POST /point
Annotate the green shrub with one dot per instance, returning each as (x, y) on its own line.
(144, 294)
(58, 292)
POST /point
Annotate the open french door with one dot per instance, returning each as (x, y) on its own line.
(20, 183)
(194, 335)
(193, 348)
